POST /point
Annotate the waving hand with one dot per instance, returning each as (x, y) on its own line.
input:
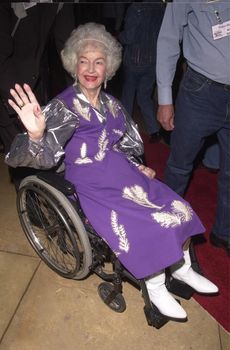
(29, 111)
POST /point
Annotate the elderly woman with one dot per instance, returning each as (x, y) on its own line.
(144, 222)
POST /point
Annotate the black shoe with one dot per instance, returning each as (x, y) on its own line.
(219, 242)
(155, 137)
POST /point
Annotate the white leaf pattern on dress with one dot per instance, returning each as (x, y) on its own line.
(118, 132)
(83, 111)
(102, 144)
(119, 230)
(185, 211)
(83, 153)
(166, 219)
(139, 196)
(180, 213)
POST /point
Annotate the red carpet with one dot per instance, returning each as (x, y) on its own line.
(214, 262)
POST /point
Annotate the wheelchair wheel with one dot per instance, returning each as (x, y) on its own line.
(116, 302)
(54, 229)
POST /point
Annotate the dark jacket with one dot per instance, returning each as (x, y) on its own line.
(139, 37)
(21, 54)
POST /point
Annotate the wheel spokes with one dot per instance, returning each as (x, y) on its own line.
(50, 233)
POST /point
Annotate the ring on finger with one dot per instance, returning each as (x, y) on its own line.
(22, 105)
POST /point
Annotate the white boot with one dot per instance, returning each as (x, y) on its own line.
(186, 274)
(162, 299)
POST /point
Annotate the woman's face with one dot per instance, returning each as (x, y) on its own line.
(91, 68)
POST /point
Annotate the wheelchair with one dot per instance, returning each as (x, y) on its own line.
(58, 230)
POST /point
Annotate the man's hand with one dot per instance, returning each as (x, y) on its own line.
(165, 115)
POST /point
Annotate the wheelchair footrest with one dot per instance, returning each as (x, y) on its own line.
(154, 317)
(179, 288)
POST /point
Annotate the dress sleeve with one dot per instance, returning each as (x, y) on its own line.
(131, 143)
(49, 151)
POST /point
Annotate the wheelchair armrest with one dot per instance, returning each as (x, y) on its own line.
(57, 181)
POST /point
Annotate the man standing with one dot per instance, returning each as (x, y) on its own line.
(202, 30)
(25, 31)
(139, 37)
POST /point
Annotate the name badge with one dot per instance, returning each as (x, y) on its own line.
(221, 30)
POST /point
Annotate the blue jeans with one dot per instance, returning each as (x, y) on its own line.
(212, 156)
(140, 82)
(202, 109)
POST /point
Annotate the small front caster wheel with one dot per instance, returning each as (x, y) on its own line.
(112, 299)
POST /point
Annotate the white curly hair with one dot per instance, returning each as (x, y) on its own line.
(96, 35)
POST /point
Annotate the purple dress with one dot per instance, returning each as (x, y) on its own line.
(143, 221)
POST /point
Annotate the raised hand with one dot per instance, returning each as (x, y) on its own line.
(29, 111)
